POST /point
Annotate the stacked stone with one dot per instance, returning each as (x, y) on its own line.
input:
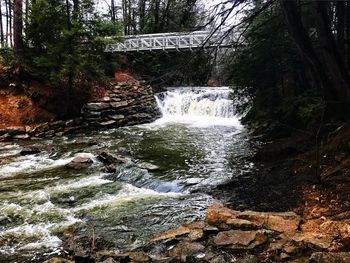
(235, 236)
(125, 104)
(46, 129)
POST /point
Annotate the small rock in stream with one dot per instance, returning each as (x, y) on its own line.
(147, 166)
(108, 158)
(110, 168)
(30, 150)
(79, 163)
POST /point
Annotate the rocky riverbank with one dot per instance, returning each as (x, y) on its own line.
(316, 228)
(123, 104)
(233, 236)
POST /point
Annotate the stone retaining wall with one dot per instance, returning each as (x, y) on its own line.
(125, 104)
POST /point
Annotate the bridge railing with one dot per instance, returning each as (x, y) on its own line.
(166, 41)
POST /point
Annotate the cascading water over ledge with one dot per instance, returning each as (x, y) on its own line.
(203, 106)
(195, 145)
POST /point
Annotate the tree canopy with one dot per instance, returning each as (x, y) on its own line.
(295, 64)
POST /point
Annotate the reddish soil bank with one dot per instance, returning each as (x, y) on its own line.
(17, 109)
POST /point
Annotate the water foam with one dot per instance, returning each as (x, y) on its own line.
(201, 107)
(28, 164)
(9, 150)
(81, 183)
(34, 163)
(127, 193)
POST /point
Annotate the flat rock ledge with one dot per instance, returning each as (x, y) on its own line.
(125, 104)
(233, 236)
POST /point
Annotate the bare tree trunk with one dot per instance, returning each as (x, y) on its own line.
(113, 16)
(303, 44)
(340, 25)
(165, 15)
(1, 26)
(7, 21)
(142, 19)
(76, 7)
(134, 22)
(18, 28)
(129, 17)
(334, 63)
(26, 13)
(156, 16)
(10, 23)
(69, 27)
(187, 14)
(125, 16)
(347, 32)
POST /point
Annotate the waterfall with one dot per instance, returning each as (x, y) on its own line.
(207, 105)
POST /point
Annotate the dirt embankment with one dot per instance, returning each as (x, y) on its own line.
(30, 103)
(18, 110)
(26, 102)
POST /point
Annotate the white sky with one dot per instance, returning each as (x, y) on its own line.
(210, 5)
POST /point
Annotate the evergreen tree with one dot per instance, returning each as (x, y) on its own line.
(66, 39)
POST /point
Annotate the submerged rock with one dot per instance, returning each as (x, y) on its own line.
(110, 168)
(30, 150)
(147, 166)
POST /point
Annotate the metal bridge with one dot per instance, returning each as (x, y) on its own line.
(174, 41)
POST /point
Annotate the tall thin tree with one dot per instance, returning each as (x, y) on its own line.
(10, 7)
(113, 15)
(1, 26)
(7, 21)
(18, 27)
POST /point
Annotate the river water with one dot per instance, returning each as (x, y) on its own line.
(197, 144)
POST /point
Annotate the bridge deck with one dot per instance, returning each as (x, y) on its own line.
(169, 41)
